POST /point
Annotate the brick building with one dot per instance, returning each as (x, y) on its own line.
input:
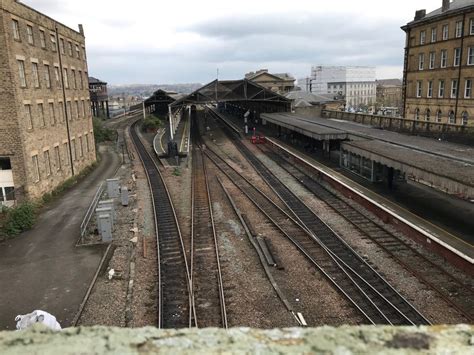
(439, 64)
(46, 133)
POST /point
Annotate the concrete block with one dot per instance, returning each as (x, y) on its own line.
(124, 195)
(113, 188)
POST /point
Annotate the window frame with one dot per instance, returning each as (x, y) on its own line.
(47, 162)
(441, 88)
(22, 73)
(457, 57)
(16, 30)
(445, 34)
(468, 89)
(458, 29)
(470, 55)
(36, 169)
(42, 36)
(421, 61)
(454, 88)
(431, 64)
(35, 74)
(444, 58)
(422, 37)
(52, 114)
(429, 94)
(419, 89)
(40, 108)
(434, 34)
(29, 116)
(47, 76)
(30, 35)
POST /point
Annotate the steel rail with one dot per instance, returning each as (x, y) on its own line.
(174, 296)
(420, 266)
(337, 245)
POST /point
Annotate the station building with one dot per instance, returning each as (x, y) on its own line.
(439, 64)
(46, 133)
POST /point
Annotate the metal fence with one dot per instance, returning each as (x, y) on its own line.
(91, 209)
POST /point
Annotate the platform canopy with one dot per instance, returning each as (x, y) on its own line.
(243, 91)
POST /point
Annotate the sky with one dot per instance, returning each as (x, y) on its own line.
(182, 41)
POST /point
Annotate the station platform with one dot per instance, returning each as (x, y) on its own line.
(436, 234)
(358, 131)
(445, 166)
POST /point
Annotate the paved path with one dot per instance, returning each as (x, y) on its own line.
(42, 268)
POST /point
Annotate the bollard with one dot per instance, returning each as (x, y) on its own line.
(124, 195)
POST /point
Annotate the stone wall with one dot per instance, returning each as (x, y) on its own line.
(458, 339)
(45, 132)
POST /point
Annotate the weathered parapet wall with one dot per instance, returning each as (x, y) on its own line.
(452, 132)
(457, 339)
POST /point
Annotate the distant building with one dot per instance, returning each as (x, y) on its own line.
(389, 93)
(307, 99)
(99, 97)
(46, 133)
(438, 71)
(280, 83)
(355, 84)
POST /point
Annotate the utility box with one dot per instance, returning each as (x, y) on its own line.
(124, 195)
(104, 222)
(108, 204)
(113, 188)
(104, 210)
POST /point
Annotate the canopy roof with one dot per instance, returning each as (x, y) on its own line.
(232, 90)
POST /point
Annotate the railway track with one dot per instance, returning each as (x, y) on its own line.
(209, 308)
(174, 297)
(451, 289)
(363, 286)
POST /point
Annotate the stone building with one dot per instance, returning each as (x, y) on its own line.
(99, 97)
(280, 83)
(389, 93)
(46, 133)
(439, 64)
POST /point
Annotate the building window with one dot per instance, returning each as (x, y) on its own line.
(419, 89)
(42, 39)
(56, 76)
(29, 117)
(430, 89)
(36, 80)
(427, 114)
(21, 71)
(454, 88)
(433, 35)
(422, 37)
(468, 89)
(36, 171)
(438, 116)
(441, 89)
(15, 30)
(52, 114)
(421, 61)
(458, 29)
(57, 156)
(445, 32)
(77, 109)
(84, 112)
(61, 46)
(78, 52)
(81, 81)
(53, 43)
(471, 27)
(74, 82)
(69, 47)
(47, 162)
(451, 117)
(470, 56)
(47, 76)
(29, 33)
(69, 110)
(432, 60)
(41, 115)
(74, 151)
(84, 53)
(87, 142)
(66, 154)
(81, 151)
(457, 57)
(444, 58)
(60, 112)
(66, 78)
(465, 118)
(417, 114)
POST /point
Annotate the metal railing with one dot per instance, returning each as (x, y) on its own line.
(90, 210)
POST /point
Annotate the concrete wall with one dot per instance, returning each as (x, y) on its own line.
(456, 339)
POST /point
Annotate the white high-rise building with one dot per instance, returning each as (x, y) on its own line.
(356, 84)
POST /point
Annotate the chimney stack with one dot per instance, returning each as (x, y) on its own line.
(81, 29)
(446, 4)
(420, 14)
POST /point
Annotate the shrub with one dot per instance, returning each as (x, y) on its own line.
(176, 172)
(151, 123)
(101, 133)
(18, 219)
